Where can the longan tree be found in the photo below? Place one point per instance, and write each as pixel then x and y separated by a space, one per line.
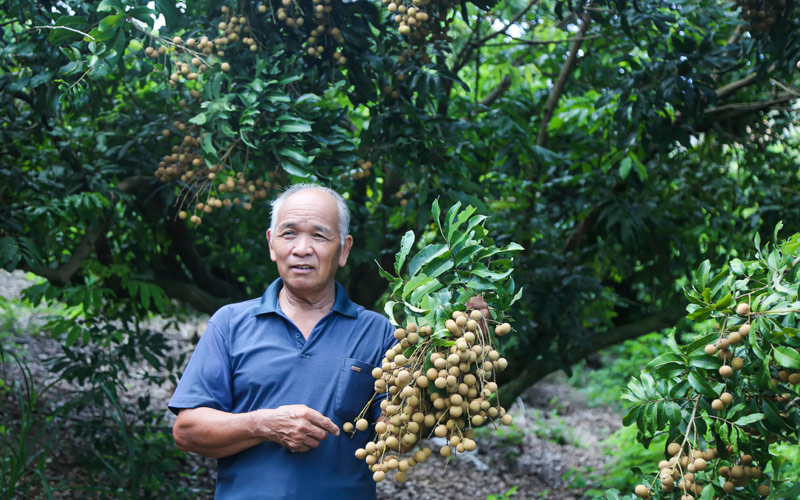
pixel 725 395
pixel 621 143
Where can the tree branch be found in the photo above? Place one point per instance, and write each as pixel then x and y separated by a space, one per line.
pixel 60 276
pixel 184 246
pixel 192 295
pixel 735 111
pixel 535 371
pixel 561 84
pixel 498 92
pixel 465 55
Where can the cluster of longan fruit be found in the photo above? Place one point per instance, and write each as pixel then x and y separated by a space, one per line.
pixel 292 16
pixel 680 472
pixel 761 14
pixel 423 22
pixel 362 170
pixel 434 389
pixel 184 161
pixel 194 53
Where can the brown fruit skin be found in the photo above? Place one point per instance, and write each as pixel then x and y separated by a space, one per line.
pixel 673 449
pixel 794 379
pixel 711 349
pixel 642 491
pixel 763 490
pixel 737 363
pixel 717 405
pixel 743 309
pixel 744 330
pixel 726 397
pixel 726 371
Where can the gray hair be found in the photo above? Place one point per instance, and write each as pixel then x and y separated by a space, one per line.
pixel 344 211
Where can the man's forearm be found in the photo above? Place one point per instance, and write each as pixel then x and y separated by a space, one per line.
pixel 215 433
pixel 218 434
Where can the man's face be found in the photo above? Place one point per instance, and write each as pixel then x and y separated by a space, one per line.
pixel 305 244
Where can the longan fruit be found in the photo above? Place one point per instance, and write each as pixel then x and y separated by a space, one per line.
pixel 743 309
pixel 711 349
pixel 378 476
pixel 734 338
pixel 726 371
pixel 763 490
pixel 347 427
pixel 361 453
pixel 476 315
pixel 362 424
pixel 673 449
pixel 744 330
pixel 737 363
pixel 225 67
pixel 726 398
pixel 642 491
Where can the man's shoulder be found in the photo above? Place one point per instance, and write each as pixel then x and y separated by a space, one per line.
pixel 236 309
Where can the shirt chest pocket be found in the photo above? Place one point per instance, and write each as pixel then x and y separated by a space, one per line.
pixel 355 388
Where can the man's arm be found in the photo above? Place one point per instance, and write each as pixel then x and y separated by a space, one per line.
pixel 218 434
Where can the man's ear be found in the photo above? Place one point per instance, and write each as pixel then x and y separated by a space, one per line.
pixel 348 244
pixel 269 243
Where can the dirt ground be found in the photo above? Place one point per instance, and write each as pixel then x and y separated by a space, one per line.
pixel 547 453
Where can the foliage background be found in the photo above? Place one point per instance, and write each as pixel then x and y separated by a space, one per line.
pixel 620 143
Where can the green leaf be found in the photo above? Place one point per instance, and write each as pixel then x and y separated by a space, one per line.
pixel 388 308
pixel 413 283
pixel 625 167
pixel 424 256
pixel 705 361
pixel 786 357
pixel 426 288
pixel 111 21
pixel 293 153
pixel 673 411
pixel 199 119
pixel 294 127
pixel 724 302
pixel 109 6
pixel 405 247
pixel 295 170
pixel 701 276
pixel 436 212
pixel 667 358
pixel 737 266
pixel 60 36
pixel 749 419
pixel 701 342
pixel 631 416
pixel 701 386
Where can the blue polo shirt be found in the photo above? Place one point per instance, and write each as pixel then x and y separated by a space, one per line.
pixel 252 356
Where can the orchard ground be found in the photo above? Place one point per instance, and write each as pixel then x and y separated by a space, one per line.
pixel 554 448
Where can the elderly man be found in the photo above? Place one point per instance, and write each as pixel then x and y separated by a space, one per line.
pixel 273 379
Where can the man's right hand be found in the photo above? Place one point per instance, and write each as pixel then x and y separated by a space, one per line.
pixel 296 427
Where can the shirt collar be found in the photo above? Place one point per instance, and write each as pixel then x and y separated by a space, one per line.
pixel 269 301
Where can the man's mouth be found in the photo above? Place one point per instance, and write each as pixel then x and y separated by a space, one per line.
pixel 302 267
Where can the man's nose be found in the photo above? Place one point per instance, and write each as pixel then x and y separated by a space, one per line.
pixel 302 245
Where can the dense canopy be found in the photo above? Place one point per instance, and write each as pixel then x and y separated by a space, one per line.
pixel 620 143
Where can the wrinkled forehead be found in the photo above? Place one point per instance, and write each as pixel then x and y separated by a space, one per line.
pixel 312 207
